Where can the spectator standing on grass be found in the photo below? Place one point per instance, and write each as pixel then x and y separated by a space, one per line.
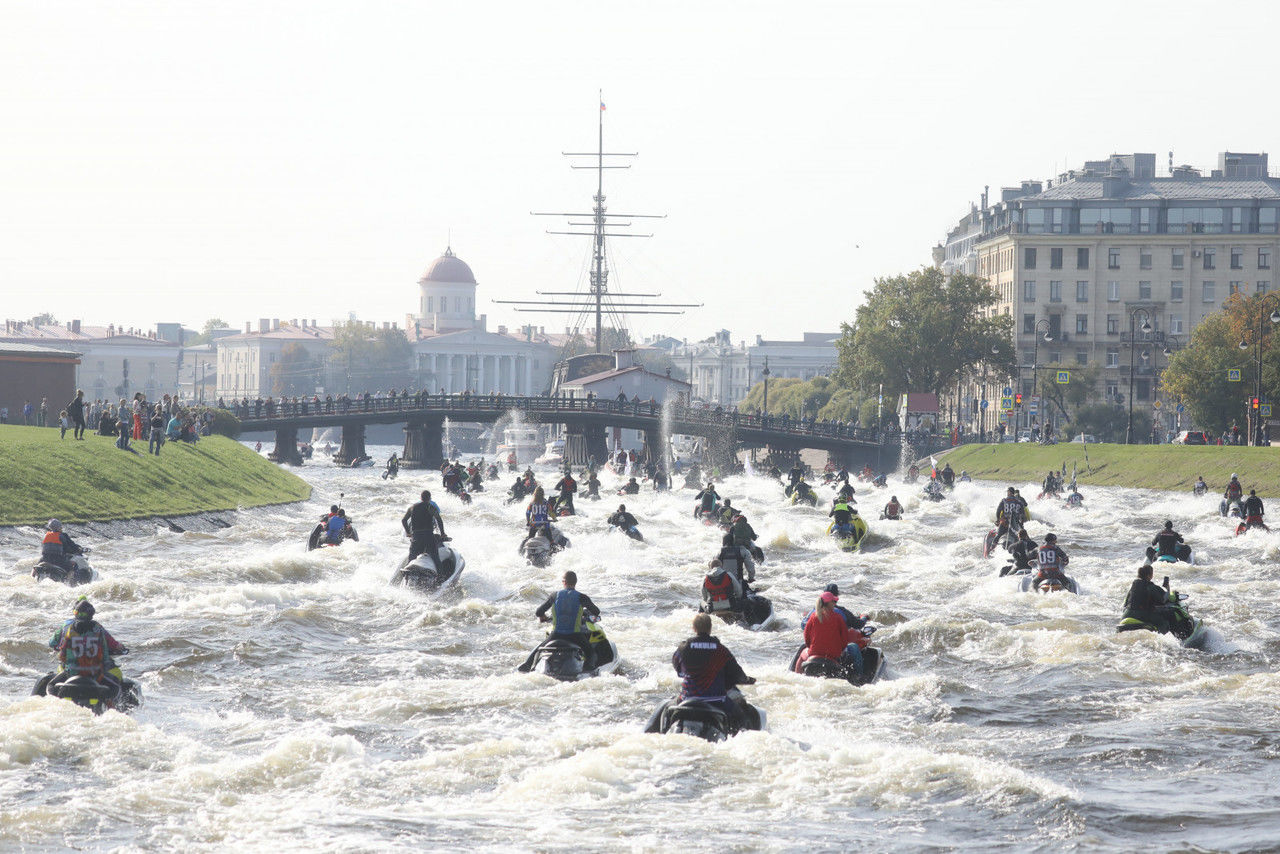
pixel 64 421
pixel 124 429
pixel 156 440
pixel 43 418
pixel 76 410
pixel 27 412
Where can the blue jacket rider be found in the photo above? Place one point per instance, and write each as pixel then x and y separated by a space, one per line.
pixel 570 610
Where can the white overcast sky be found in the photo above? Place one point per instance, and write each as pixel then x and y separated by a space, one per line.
pixel 173 161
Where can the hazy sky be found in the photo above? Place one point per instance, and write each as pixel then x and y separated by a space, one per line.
pixel 174 160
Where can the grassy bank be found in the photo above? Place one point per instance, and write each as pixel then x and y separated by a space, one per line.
pixel 1149 466
pixel 43 477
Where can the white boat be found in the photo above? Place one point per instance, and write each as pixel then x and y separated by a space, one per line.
pixel 526 442
pixel 553 455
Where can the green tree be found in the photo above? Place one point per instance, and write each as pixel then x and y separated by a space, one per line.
pixel 206 331
pixel 921 332
pixel 295 373
pixel 1197 374
pixel 365 358
pixel 1104 420
pixel 1081 389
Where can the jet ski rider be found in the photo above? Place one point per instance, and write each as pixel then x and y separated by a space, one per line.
pixel 1166 542
pixel 708 671
pixel 569 610
pixel 1024 551
pixel 1052 560
pixel 58 547
pixel 852 654
pixel 334 524
pixel 91 647
pixel 419 523
pixel 1148 601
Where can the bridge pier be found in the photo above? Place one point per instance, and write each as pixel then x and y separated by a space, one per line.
pixel 722 448
pixel 352 447
pixel 582 443
pixel 423 444
pixel 286 449
pixel 654 450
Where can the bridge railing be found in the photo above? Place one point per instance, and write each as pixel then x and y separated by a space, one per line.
pixel 436 404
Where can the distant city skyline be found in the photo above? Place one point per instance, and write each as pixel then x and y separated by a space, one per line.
pixel 175 162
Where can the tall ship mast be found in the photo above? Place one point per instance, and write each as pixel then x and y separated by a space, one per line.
pixel 598 299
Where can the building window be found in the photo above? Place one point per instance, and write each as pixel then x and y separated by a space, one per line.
pixel 1055 291
pixel 1175 324
pixel 1144 290
pixel 1029 290
pixel 1082 324
pixel 1264 258
pixel 1175 292
pixel 1055 258
pixel 1113 324
pixel 1267 218
pixel 1113 291
pixel 1029 258
pixel 1142 389
pixel 1234 287
pixel 1113 357
pixel 1029 324
pixel 1263 287
pixel 431 305
pixel 1237 259
pixel 1082 291
pixel 1113 259
pixel 1082 357
pixel 1208 292
pixel 1175 260
pixel 1210 258
pixel 1055 326
pixel 1113 393
pixel 1082 259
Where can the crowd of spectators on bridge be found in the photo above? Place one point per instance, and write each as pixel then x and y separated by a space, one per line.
pixel 403 399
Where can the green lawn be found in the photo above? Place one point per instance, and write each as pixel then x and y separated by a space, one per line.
pixel 1150 466
pixel 42 477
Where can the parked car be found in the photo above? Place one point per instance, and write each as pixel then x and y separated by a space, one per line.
pixel 1024 435
pixel 1085 439
pixel 1191 437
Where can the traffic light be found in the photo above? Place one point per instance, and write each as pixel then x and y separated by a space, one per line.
pixel 1253 401
pixel 1017 399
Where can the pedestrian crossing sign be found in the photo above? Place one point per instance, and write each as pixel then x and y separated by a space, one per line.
pixel 1064 377
pixel 1006 402
pixel 1233 375
pixel 1265 409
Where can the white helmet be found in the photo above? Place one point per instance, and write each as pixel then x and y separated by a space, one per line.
pixel 1233 475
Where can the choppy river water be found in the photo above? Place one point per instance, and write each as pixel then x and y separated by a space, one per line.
pixel 296 699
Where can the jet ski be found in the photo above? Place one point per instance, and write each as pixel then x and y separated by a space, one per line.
pixel 431 576
pixel 1027 583
pixel 1183 554
pixel 873 661
pixel 994 540
pixel 80 573
pixel 807 497
pixel 1190 631
pixel 89 693
pixel 702 719
pixel 1249 523
pixel 710 518
pixel 849 537
pixel 630 530
pixel 563 659
pixel 562 505
pixel 317 540
pixel 538 550
pixel 1231 509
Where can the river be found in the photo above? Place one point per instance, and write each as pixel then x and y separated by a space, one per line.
pixel 295 699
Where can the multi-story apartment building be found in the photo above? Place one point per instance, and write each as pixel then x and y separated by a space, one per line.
pixel 723 373
pixel 1093 256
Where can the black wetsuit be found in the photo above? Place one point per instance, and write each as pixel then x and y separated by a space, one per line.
pixel 1166 542
pixel 623 520
pixel 1024 553
pixel 1148 602
pixel 419 523
pixel 1253 506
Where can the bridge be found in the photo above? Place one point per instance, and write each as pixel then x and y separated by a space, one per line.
pixel 585 421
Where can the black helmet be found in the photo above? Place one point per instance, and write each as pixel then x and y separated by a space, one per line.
pixel 1050 538
pixel 833 589
pixel 622 508
pixel 84 608
pixel 333 508
pixel 1168 523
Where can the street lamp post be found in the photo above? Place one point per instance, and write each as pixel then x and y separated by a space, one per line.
pixel 1171 346
pixel 1254 422
pixel 764 410
pixel 1035 359
pixel 1146 327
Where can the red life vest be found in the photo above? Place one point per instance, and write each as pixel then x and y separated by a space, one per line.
pixel 718 591
pixel 87 652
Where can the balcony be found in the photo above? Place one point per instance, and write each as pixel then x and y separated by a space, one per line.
pixel 1153 337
